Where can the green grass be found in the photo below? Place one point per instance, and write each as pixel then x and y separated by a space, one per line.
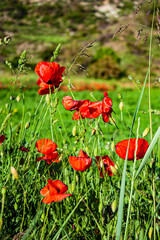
pixel 92 215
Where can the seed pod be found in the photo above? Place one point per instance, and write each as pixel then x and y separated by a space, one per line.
pixel 145 132
pixel 74 131
pixel 18 98
pixel 27 125
pixel 14 173
pixel 121 105
pixel 150 232
pixel 114 205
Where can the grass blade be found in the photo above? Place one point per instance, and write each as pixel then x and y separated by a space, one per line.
pixel 149 150
pixel 122 191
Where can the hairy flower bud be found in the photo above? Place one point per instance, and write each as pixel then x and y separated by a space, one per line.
pixel 27 125
pixel 145 132
pixel 14 173
pixel 114 206
pixel 74 131
pixel 121 105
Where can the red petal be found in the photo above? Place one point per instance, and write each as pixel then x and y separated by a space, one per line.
pixel 45 191
pixel 82 154
pixel 60 186
pixel 46 146
pixel 106 104
pixel 69 103
pixel 80 163
pixel 2 138
pixel 121 148
pixel 60 197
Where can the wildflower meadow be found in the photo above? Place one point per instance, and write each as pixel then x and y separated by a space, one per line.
pixel 80 164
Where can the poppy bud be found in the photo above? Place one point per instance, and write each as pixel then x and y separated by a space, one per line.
pixel 114 206
pixel 145 132
pixel 61 157
pixel 74 131
pixel 95 151
pixel 114 171
pixel 156 112
pixel 100 206
pixel 18 98
pixel 121 106
pixel 14 173
pixel 150 232
pixel 107 146
pixel 112 146
pixel 27 125
pixel 119 95
pixel 4 190
pixel 48 100
pixel 15 206
pixel 93 131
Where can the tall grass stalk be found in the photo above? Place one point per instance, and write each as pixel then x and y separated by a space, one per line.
pixel 132 183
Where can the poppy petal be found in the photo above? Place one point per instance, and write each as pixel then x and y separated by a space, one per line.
pixel 46 146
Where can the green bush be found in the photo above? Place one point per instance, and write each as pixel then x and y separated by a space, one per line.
pixel 105 68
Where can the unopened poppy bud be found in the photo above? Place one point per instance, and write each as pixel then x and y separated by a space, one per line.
pixel 107 146
pixel 93 131
pixel 27 125
pixel 112 146
pixel 48 100
pixel 18 98
pixel 14 173
pixel 100 206
pixel 60 158
pixel 119 95
pixel 4 190
pixel 101 164
pixel 95 151
pixel 121 106
pixel 150 232
pixel 145 132
pixel 74 131
pixel 114 206
pixel 114 170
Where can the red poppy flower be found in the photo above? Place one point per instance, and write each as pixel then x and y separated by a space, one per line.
pixel 2 138
pixel 50 76
pixel 106 107
pixel 69 103
pixel 80 163
pixel 54 191
pixel 106 163
pixel 47 147
pixel 88 109
pixel 142 146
